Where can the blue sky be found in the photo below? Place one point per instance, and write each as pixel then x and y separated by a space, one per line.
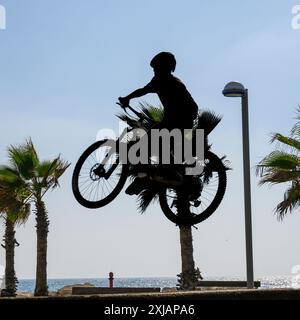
pixel 63 65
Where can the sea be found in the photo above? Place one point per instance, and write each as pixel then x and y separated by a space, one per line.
pixel 27 285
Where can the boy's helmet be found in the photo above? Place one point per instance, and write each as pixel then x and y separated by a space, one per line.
pixel 164 60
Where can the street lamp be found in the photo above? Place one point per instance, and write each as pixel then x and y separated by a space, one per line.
pixel 236 89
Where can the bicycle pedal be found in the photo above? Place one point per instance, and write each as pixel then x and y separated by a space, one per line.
pixel 197 203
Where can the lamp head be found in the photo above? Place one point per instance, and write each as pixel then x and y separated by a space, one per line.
pixel 234 89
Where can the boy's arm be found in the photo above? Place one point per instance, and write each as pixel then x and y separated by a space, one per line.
pixel 135 94
pixel 149 88
pixel 138 93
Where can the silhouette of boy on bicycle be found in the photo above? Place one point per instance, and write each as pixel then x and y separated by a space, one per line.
pixel 185 197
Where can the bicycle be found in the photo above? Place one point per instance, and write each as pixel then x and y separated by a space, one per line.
pixel 99 176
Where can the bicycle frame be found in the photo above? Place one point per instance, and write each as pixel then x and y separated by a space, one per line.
pixel 118 142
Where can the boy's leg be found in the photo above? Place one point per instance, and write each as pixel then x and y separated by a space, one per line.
pixel 142 176
pixel 142 179
pixel 138 185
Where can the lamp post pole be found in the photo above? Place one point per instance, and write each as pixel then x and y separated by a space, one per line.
pixel 236 89
pixel 247 191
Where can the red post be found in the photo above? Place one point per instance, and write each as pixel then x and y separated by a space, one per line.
pixel 111 280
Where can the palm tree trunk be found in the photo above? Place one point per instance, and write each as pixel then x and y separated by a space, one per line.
pixel 188 279
pixel 10 274
pixel 42 229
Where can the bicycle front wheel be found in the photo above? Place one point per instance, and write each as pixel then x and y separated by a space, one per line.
pixel 96 182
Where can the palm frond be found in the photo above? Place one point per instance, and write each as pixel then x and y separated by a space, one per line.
pixel 50 172
pixel 24 159
pixel 132 121
pixel 154 113
pixel 291 201
pixel 149 115
pixel 282 166
pixel 27 172
pixel 9 175
pixel 19 213
pixel 288 141
pixel 278 176
pixel 207 120
pixel 295 132
pixel 146 197
pixel 278 160
pixel 226 163
pixel 14 204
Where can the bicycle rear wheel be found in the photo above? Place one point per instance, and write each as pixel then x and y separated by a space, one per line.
pixel 209 197
pixel 96 182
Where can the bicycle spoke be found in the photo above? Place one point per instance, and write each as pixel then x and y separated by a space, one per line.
pixel 207 195
pixel 92 183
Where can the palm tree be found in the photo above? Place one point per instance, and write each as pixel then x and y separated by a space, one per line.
pixel 14 210
pixel 38 176
pixel 283 166
pixel 189 276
